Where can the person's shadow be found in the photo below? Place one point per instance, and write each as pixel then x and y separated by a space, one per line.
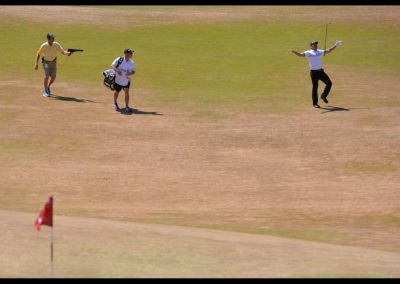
pixel 138 111
pixel 335 108
pixel 70 99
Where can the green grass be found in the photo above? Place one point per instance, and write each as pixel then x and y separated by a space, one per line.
pixel 388 219
pixel 37 145
pixel 18 146
pixel 369 167
pixel 347 275
pixel 246 65
pixel 308 232
pixel 204 69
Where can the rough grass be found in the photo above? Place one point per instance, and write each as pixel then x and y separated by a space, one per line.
pixel 95 248
pixel 237 147
pixel 243 65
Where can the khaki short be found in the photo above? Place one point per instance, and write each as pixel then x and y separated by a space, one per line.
pixel 50 68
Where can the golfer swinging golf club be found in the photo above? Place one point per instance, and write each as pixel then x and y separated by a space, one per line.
pixel 316 71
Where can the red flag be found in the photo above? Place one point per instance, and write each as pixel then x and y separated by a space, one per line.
pixel 46 215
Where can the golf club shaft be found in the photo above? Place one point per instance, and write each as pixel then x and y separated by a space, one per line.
pixel 326 35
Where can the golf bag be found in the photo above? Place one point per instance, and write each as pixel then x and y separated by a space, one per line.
pixel 109 76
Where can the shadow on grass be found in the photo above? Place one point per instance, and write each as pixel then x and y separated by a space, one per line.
pixel 70 99
pixel 335 108
pixel 137 111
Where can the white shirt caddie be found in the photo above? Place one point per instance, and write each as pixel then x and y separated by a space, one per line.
pixel 125 67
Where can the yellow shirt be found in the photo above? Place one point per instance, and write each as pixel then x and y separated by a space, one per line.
pixel 49 52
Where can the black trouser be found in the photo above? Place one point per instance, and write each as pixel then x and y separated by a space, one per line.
pixel 317 75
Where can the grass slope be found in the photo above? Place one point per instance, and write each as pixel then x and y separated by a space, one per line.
pixel 225 65
pixel 99 248
pixel 237 147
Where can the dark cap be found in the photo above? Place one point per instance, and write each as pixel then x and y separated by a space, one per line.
pixel 128 50
pixel 313 42
pixel 51 36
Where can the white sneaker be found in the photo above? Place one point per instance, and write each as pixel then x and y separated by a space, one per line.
pixel 116 107
pixel 46 94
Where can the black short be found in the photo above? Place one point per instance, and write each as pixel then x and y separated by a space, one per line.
pixel 119 87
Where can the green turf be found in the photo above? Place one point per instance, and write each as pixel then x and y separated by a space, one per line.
pixel 259 227
pixel 369 168
pixel 246 65
pixel 201 68
pixel 347 275
pixel 388 219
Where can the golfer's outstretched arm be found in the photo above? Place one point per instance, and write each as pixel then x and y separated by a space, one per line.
pixel 330 49
pixel 298 53
pixel 337 43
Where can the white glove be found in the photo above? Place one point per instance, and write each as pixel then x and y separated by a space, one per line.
pixel 338 42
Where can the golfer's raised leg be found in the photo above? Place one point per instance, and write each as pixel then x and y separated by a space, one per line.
pixel 328 85
pixel 316 71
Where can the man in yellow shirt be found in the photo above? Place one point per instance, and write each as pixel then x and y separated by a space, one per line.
pixel 48 52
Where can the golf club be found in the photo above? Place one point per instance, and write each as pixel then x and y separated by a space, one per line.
pixel 326 35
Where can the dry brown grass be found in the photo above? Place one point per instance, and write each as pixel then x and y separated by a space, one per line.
pixel 102 17
pixel 328 176
pixel 102 248
pixel 317 170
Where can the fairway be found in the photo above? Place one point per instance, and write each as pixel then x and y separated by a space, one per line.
pixel 225 169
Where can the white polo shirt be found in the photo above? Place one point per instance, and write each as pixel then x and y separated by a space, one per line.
pixel 314 58
pixel 125 67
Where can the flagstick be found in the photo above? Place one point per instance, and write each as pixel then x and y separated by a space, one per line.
pixel 46 218
pixel 52 237
pixel 52 253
